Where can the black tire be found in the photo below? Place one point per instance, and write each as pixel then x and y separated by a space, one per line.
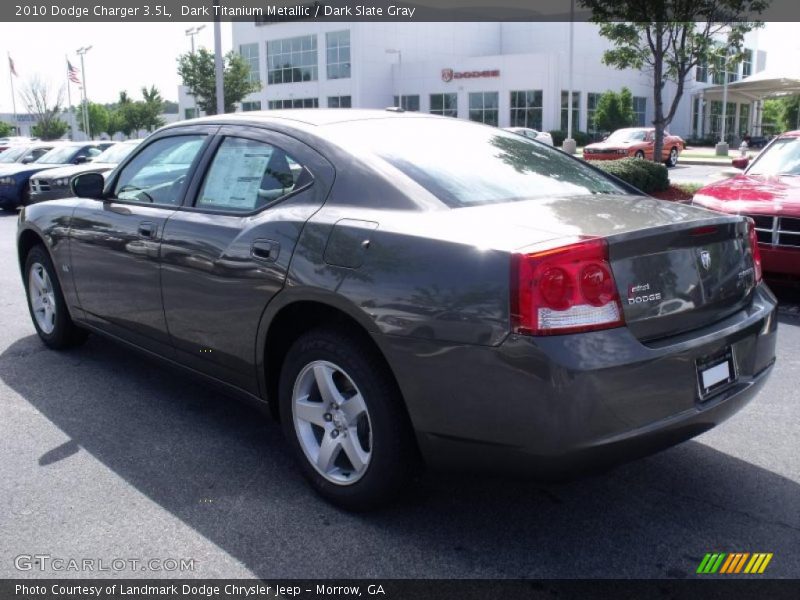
pixel 639 154
pixel 673 157
pixel 65 333
pixel 394 456
pixel 9 209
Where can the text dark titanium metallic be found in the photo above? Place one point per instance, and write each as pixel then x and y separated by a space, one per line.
pixel 398 287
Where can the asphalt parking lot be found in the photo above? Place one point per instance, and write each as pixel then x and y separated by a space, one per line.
pixel 105 454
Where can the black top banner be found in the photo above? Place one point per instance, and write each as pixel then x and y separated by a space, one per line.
pixel 266 11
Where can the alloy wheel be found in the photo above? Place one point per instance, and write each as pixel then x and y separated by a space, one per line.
pixel 332 422
pixel 43 298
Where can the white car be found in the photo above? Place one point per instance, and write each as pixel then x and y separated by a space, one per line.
pixel 539 136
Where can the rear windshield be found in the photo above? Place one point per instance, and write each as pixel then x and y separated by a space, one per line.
pixel 465 164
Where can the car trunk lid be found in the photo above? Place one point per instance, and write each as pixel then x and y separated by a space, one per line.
pixel 678 278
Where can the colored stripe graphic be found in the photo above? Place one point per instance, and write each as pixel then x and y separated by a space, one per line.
pixel 734 562
pixel 711 562
pixel 758 563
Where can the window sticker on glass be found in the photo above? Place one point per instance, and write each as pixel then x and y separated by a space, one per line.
pixel 246 175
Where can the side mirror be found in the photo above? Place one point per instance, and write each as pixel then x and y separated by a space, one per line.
pixel 81 160
pixel 27 160
pixel 741 162
pixel 88 185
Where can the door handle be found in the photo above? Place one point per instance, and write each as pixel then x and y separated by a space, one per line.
pixel 147 229
pixel 267 250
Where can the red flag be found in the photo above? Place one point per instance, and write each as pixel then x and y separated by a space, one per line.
pixel 11 66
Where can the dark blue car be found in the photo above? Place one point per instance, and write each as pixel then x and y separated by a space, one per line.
pixel 14 176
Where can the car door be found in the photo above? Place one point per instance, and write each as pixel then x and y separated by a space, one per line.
pixel 115 243
pixel 226 253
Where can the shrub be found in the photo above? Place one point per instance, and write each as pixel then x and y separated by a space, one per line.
pixel 646 175
pixel 559 135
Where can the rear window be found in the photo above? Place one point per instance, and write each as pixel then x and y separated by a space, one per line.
pixel 465 164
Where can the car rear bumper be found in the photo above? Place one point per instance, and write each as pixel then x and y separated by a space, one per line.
pixel 564 403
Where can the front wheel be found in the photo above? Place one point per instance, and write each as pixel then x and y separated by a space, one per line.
pixel 672 160
pixel 46 303
pixel 344 419
pixel 639 154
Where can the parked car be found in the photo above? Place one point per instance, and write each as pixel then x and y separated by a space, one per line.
pixel 636 142
pixel 397 287
pixel 54 183
pixel 16 140
pixel 24 154
pixel 14 188
pixel 533 134
pixel 769 192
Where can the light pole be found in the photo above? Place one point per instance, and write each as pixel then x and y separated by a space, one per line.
pixel 81 52
pixel 218 66
pixel 569 144
pixel 190 33
pixel 399 73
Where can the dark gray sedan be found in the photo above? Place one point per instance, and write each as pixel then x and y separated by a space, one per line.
pixel 404 290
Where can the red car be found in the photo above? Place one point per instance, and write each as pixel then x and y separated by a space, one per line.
pixel 769 192
pixel 637 142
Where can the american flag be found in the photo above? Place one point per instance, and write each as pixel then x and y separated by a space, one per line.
pixel 11 66
pixel 72 73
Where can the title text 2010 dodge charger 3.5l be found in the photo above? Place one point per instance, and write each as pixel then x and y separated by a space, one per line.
pixel 402 289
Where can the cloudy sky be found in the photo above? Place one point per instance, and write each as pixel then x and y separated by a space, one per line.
pixel 127 56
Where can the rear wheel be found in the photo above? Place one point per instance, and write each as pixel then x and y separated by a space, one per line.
pixel 46 303
pixel 672 160
pixel 343 416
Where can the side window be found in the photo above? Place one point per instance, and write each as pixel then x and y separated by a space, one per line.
pixel 156 175
pixel 38 153
pixel 246 175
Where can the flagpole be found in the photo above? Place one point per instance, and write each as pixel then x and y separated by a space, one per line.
pixel 13 95
pixel 69 102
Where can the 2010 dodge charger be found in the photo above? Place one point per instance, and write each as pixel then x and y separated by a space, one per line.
pixel 402 289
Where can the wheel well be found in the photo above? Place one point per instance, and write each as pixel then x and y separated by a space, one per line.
pixel 27 240
pixel 294 320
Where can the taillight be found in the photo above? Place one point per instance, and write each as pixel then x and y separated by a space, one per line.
pixel 564 290
pixel 753 236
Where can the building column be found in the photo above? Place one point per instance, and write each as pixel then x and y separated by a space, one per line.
pixel 700 116
pixel 736 118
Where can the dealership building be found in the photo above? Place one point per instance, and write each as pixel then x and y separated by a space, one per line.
pixel 505 74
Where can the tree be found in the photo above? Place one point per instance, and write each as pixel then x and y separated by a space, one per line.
pixel 669 38
pixel 6 129
pixel 614 111
pixel 197 73
pixel 45 105
pixel 98 118
pixel 780 114
pixel 152 108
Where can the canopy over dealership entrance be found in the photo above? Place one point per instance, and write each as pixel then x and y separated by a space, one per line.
pixel 745 103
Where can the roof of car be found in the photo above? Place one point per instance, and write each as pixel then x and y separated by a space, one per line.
pixel 313 116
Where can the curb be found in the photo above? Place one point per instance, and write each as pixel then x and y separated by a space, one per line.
pixel 707 162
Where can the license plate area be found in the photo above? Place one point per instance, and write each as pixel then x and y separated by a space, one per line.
pixel 715 372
